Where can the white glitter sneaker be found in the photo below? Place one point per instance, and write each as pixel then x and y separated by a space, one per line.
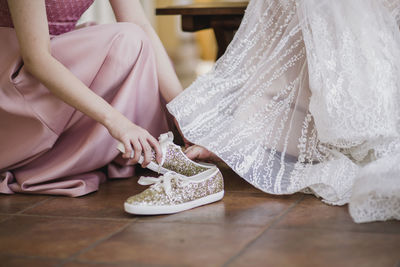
pixel 173 158
pixel 173 193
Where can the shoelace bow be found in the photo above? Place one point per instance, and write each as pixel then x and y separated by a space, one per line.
pixel 164 181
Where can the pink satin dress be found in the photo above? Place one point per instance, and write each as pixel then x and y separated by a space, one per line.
pixel 48 147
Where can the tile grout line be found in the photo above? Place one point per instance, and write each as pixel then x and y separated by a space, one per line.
pixel 274 222
pixel 133 219
pixel 7 218
pixel 201 223
pixel 116 263
pixel 246 194
pixel 94 244
pixel 335 230
pixel 34 205
pixel 71 217
pixel 58 260
pixel 29 256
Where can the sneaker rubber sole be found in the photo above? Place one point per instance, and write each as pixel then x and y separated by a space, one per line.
pixel 158 210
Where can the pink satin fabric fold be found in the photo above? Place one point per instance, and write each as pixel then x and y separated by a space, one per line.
pixel 47 146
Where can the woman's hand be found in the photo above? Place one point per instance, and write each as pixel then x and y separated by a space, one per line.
pixel 196 152
pixel 134 138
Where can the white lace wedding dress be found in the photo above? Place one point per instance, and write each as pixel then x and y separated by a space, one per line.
pixel 307 98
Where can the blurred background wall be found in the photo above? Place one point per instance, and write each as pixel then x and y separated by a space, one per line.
pixel 192 53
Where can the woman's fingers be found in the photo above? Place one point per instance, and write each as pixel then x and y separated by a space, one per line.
pixel 156 146
pixel 128 149
pixel 138 150
pixel 146 151
pixel 139 141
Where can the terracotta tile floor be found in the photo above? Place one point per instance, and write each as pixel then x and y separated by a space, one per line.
pixel 246 228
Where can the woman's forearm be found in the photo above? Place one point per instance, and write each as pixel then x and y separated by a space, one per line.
pixel 169 84
pixel 63 84
pixel 29 18
pixel 131 11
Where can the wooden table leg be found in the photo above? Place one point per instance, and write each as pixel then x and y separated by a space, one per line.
pixel 224 31
pixel 224 27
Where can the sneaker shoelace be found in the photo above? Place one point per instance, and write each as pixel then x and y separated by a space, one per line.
pixel 164 181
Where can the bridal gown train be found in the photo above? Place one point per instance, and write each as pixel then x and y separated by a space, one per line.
pixel 306 98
